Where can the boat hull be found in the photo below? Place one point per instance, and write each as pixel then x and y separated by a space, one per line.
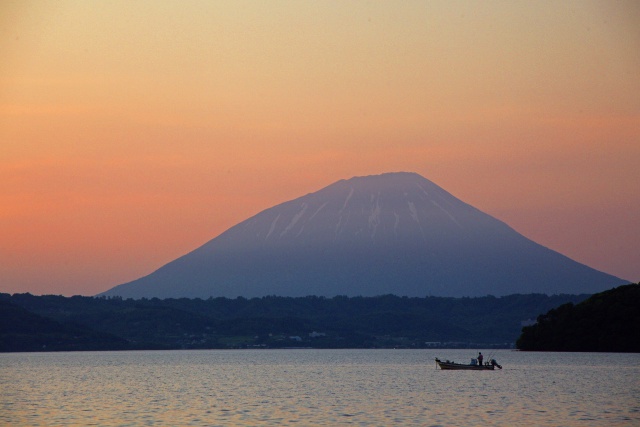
pixel 462 367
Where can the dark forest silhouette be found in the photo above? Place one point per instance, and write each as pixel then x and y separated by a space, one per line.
pixel 48 323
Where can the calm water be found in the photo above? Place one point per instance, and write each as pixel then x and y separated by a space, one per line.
pixel 315 388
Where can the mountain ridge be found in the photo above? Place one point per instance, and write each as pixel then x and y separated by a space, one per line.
pixel 394 233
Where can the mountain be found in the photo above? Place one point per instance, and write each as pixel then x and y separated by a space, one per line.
pixel 395 233
pixel 607 322
pixel 22 330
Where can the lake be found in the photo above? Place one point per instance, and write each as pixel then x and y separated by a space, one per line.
pixel 317 388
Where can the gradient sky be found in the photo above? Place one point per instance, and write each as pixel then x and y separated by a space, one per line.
pixel 132 132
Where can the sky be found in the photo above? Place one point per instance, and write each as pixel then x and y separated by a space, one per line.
pixel 132 132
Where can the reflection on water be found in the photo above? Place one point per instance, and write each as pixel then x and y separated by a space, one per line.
pixel 316 387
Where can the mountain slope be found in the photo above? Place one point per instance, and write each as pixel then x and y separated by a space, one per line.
pixel 22 330
pixel 395 233
pixel 608 322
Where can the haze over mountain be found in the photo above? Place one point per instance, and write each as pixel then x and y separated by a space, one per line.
pixel 395 233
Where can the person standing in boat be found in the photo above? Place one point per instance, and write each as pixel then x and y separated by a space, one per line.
pixel 480 358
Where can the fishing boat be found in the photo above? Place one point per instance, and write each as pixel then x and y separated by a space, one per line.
pixel 488 366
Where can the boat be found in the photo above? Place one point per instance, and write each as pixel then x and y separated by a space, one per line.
pixel 473 366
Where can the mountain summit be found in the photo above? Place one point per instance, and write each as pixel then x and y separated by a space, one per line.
pixel 395 233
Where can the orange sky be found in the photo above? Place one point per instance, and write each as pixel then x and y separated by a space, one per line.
pixel 132 132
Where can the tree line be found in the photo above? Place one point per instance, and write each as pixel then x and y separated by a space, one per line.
pixel 608 321
pixel 50 322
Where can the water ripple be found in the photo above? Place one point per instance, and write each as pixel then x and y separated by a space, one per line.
pixel 315 387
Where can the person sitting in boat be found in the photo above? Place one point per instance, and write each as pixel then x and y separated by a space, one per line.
pixel 480 358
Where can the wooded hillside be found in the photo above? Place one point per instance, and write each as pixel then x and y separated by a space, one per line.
pixel 273 322
pixel 608 321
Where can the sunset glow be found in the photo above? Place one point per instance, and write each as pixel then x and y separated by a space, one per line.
pixel 132 132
